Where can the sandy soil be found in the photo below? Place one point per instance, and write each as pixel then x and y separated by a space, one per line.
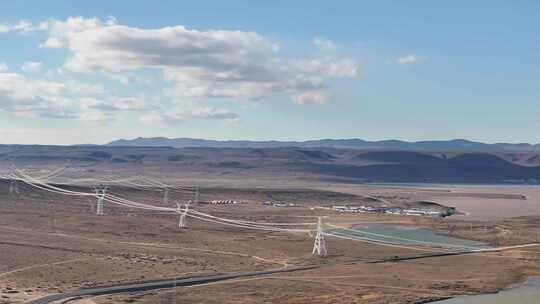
pixel 495 208
pixel 51 244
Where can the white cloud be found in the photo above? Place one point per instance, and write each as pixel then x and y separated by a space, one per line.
pixel 198 64
pixel 22 26
pixel 314 97
pixel 124 78
pixel 26 97
pixel 121 104
pixel 70 99
pixel 324 44
pixel 409 59
pixel 211 113
pixel 178 115
pixel 195 66
pixel 93 115
pixel 60 32
pixel 328 67
pixel 32 66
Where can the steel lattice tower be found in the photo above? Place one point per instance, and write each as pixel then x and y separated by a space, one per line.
pixel 166 196
pixel 182 221
pixel 319 247
pixel 100 194
pixel 13 188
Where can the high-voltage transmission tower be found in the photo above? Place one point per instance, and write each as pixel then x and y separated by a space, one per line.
pixel 14 188
pixel 182 221
pixel 165 195
pixel 319 247
pixel 100 194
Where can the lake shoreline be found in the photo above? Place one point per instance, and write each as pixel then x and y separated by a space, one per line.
pixel 523 285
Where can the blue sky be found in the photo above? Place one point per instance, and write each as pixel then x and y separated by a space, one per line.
pixel 74 72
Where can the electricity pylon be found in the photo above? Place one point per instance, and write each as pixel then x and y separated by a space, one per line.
pixel 100 194
pixel 14 188
pixel 165 195
pixel 319 247
pixel 182 221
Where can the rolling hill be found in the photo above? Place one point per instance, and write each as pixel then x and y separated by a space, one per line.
pixel 290 163
pixel 437 145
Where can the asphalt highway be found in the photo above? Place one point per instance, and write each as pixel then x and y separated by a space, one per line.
pixel 160 284
pixel 204 279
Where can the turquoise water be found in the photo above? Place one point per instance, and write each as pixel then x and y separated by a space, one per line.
pixel 406 235
pixel 528 293
pixel 450 185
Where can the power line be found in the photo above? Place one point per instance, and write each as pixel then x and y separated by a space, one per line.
pixel 104 195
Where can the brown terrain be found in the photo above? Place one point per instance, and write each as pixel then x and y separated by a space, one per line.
pixel 51 243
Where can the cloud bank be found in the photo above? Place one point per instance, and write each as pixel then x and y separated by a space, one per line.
pixel 195 66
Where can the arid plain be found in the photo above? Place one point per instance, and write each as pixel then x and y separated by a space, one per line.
pixel 52 243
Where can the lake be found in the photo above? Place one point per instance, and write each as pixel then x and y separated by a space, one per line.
pixel 406 235
pixel 527 293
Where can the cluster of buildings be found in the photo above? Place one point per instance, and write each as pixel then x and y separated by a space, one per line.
pixel 223 202
pixel 414 211
pixel 388 210
pixel 356 209
pixel 278 204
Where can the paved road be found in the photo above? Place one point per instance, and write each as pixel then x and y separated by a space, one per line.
pixel 159 284
pixel 203 279
pixel 442 254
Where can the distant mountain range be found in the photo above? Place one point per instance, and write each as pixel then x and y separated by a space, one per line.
pixel 433 145
pixel 286 163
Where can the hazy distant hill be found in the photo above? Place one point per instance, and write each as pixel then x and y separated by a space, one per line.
pixel 287 164
pixel 437 145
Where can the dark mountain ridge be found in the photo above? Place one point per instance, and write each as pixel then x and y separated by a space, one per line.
pixel 329 164
pixel 433 145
